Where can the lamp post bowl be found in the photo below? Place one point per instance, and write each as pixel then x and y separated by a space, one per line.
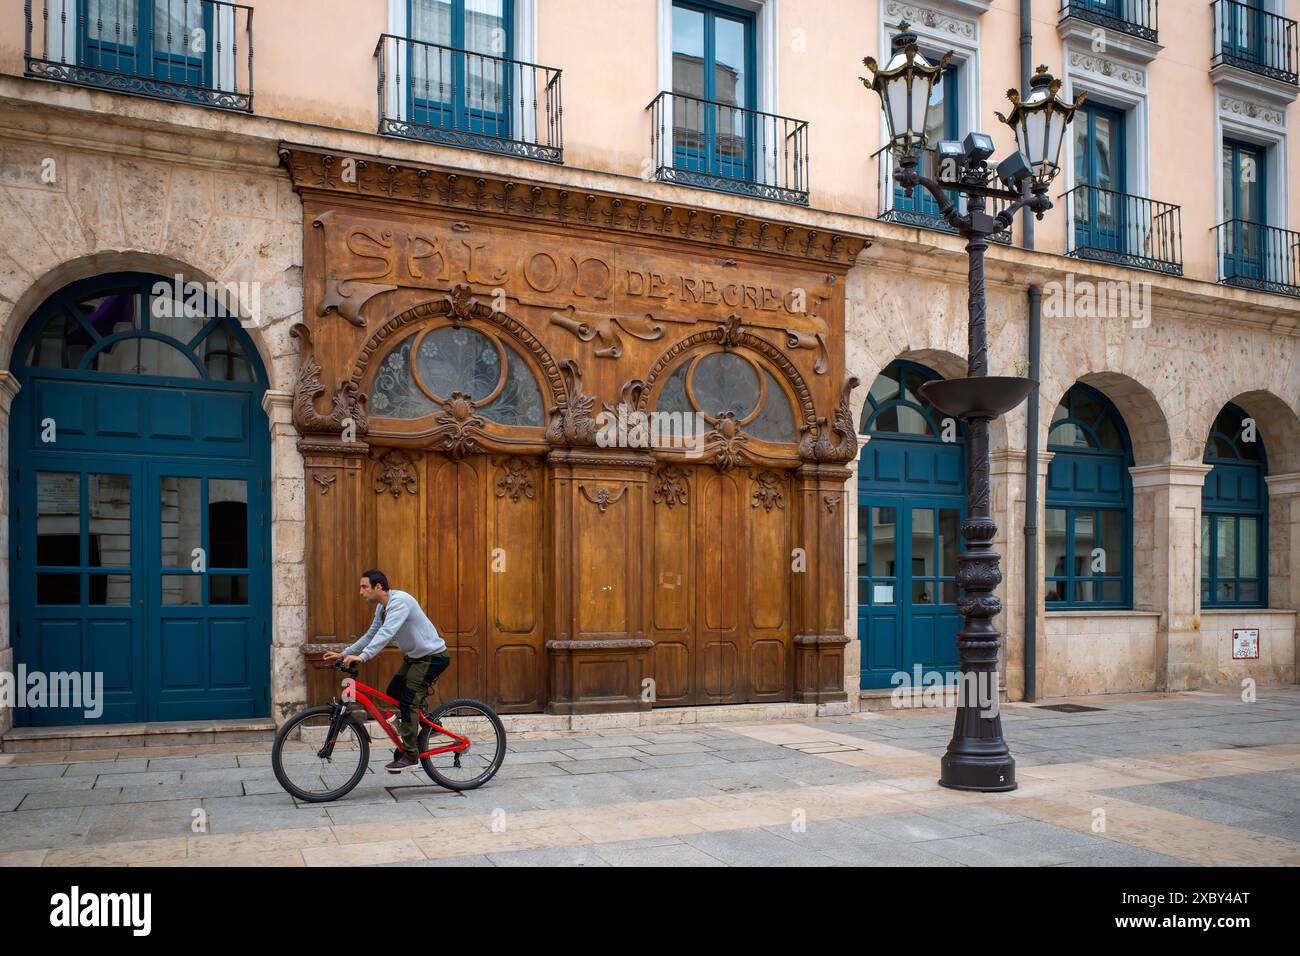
pixel 983 396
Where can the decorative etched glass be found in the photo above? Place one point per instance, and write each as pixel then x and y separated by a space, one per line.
pixel 520 402
pixel 458 360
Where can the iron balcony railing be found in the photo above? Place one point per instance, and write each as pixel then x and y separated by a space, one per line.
pixel 190 51
pixel 1134 17
pixel 1255 256
pixel 920 209
pixel 1128 230
pixel 715 146
pixel 1253 39
pixel 441 94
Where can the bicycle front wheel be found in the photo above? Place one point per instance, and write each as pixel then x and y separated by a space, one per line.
pixel 297 761
pixel 476 764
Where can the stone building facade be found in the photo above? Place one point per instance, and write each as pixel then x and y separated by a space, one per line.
pixel 98 181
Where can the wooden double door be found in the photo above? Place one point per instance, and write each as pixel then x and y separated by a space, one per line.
pixel 472 543
pixel 722 559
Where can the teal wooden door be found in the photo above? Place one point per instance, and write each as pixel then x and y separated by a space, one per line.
pixel 139 542
pixel 911 501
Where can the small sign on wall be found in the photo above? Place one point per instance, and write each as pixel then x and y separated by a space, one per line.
pixel 1245 643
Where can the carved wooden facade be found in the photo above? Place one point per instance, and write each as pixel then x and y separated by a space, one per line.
pixel 480 361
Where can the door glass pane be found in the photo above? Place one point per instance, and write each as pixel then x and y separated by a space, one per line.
pixel 1248 591
pixel 729 77
pixel 175 25
pixel 688 51
pixel 485 76
pixel 229 589
pixel 1084 592
pixel 1205 546
pixel 1248 529
pixel 1112 542
pixel 1226 541
pixel 182 521
pixel 1106 142
pixel 1248 177
pixel 1085 541
pixel 110 589
pixel 112 21
pixel 949 544
pixel 1055 542
pixel 922 542
pixel 864 536
pixel 110 520
pixel 1226 591
pixel 1112 590
pixel 228 523
pixel 186 589
pixel 58 589
pixel 431 66
pixel 922 592
pixel 884 554
pixel 58 519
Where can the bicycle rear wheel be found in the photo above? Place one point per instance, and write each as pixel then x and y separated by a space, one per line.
pixel 476 764
pixel 297 761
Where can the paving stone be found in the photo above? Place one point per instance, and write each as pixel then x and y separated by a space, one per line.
pixel 606 765
pixel 33 829
pixel 887 854
pixel 677 747
pixel 539 756
pixel 194 791
pixel 550 856
pixel 671 855
pixel 96 767
pixel 514 746
pixel 394 812
pixel 69 798
pixel 510 770
pixel 598 753
pixel 47 784
pixel 682 760
pixel 754 847
pixel 1037 835
pixel 210 762
pixel 984 850
pixel 453 861
pixel 910 827
pixel 261 819
pixel 33 771
pixel 621 740
pixel 1111 853
pixel 829 834
pixel 974 817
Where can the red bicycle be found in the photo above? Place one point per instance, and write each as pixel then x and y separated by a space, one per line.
pixel 322 752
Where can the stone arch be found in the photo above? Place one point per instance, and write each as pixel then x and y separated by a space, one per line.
pixel 1279 427
pixel 1144 418
pixel 104 263
pixel 463 307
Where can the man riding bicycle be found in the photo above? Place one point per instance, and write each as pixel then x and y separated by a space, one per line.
pixel 399 616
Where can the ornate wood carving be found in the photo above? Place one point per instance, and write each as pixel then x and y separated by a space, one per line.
pixel 459 429
pixel 831 502
pixel 571 420
pixel 516 479
pixel 603 498
pixel 726 443
pixel 484 193
pixel 396 475
pixel 836 442
pixel 588 326
pixel 348 403
pixel 767 493
pixel 326 482
pixel 671 486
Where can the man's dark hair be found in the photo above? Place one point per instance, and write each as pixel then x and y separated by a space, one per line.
pixel 377 578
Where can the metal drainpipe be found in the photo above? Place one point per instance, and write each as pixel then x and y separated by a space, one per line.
pixel 1031 498
pixel 1031 439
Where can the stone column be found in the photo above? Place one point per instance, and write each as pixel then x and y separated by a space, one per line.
pixel 1166 565
pixel 8 390
pixel 853 644
pixel 1007 477
pixel 1284 545
pixel 288 558
pixel 819 591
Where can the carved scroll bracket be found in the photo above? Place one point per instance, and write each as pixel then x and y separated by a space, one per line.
pixel 348 413
pixel 836 441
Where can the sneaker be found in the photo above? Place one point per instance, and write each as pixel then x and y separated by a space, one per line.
pixel 402 763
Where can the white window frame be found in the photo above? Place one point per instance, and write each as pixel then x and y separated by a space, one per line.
pixel 1124 89
pixel 1272 138
pixel 766 46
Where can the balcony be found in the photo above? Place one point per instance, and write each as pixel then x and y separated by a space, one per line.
pixel 188 51
pixel 920 209
pixel 440 94
pixel 1248 38
pixel 1136 18
pixel 1107 226
pixel 711 145
pixel 1255 256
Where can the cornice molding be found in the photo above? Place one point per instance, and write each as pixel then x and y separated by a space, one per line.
pixel 321 171
pixel 958 19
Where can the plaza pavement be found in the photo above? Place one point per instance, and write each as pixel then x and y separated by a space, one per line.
pixel 1199 778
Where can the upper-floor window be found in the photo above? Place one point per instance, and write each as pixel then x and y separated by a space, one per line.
pixel 1099 163
pixel 458 67
pixel 195 51
pixel 713 86
pixel 1244 233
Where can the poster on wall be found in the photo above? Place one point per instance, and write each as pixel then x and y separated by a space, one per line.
pixel 1245 643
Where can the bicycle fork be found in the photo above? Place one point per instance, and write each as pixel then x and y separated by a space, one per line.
pixel 336 727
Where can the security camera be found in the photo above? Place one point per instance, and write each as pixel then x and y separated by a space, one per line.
pixel 1014 170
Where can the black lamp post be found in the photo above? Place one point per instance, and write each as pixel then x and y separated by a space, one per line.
pixel 977 756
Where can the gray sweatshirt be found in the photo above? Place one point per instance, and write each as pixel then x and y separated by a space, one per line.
pixel 401 618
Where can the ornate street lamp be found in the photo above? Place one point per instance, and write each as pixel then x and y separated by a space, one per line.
pixel 977 756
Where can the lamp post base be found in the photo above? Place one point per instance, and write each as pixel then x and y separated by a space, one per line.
pixel 991 773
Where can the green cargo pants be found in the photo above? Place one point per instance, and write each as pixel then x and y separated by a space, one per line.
pixel 409 687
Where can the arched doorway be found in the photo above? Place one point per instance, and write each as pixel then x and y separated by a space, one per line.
pixel 141 516
pixel 1234 514
pixel 911 502
pixel 1089 513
